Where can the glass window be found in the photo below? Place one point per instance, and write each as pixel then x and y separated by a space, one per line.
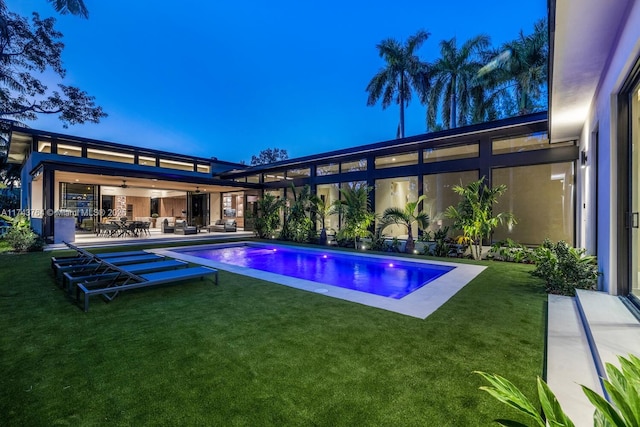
pixel 298 173
pixel 44 147
pixel 395 193
pixel 253 179
pixel 173 164
pixel 146 161
pixel 395 160
pixel 81 200
pixel 203 168
pixel 439 195
pixel 541 198
pixel 430 155
pixel 329 193
pixel 274 176
pixel 241 179
pixel 354 166
pixel 328 169
pixel 111 156
pixel 69 150
pixel 534 141
pixel 278 193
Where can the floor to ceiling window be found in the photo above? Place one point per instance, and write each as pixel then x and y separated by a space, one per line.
pixel 634 125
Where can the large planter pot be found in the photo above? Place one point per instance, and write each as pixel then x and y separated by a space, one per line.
pixel 64 229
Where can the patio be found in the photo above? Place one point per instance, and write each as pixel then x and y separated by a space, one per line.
pixel 154 236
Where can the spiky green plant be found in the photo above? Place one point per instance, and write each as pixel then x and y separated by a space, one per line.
pixel 622 385
pixel 406 217
pixel 474 214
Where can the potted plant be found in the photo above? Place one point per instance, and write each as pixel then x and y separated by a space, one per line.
pixel 154 218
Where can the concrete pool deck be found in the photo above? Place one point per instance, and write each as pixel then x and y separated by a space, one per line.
pixel 420 303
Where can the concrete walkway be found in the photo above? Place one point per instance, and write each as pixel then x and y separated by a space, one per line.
pixel 583 334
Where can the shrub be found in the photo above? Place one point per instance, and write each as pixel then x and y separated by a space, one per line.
pixel 511 251
pixel 565 268
pixel 24 240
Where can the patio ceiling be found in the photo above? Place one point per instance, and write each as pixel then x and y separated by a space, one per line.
pixel 116 181
pixel 582 37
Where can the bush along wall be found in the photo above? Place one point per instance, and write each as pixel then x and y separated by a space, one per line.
pixel 565 268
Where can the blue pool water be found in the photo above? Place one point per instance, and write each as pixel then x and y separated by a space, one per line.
pixel 385 277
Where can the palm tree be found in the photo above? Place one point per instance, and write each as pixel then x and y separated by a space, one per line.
pixel 453 76
pixel 355 208
pixel 267 218
pixel 321 210
pixel 406 217
pixel 403 71
pixel 474 214
pixel 527 67
pixel 74 7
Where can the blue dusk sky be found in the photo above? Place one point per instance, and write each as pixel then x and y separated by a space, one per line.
pixel 229 79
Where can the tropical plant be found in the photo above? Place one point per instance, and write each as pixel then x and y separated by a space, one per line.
pixel 74 7
pixel 355 208
pixel 20 236
pixel 403 71
pixel 320 211
pixel 267 217
pixel 511 251
pixel 622 385
pixel 474 214
pixel 298 226
pixel 453 76
pixel 565 268
pixel 526 69
pixel 406 217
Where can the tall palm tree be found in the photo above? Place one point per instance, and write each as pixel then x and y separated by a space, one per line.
pixel 406 217
pixel 527 67
pixel 403 71
pixel 74 7
pixel 453 76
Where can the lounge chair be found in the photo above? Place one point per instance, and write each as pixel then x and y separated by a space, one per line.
pixel 109 288
pixel 103 271
pixel 166 228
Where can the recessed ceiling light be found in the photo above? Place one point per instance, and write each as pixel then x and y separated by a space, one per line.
pixel 77 180
pixel 393 159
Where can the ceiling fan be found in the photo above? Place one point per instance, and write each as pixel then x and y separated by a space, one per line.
pixel 124 184
pixel 197 189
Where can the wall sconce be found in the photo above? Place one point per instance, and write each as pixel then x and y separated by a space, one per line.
pixel 583 159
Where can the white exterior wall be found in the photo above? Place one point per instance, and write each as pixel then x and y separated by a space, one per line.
pixel 603 118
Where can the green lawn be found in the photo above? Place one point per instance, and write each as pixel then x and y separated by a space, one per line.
pixel 252 353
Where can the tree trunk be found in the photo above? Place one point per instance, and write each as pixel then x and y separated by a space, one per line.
pixel 402 105
pixel 452 112
pixel 410 246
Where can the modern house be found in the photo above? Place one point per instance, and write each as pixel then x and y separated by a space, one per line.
pixel 572 174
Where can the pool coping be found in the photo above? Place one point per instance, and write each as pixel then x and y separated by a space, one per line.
pixel 420 303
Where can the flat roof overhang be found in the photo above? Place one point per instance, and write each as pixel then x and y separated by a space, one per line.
pixel 114 177
pixel 582 38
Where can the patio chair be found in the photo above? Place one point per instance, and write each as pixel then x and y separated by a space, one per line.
pixel 109 288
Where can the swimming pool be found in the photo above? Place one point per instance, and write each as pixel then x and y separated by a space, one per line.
pixel 414 293
pixel 392 278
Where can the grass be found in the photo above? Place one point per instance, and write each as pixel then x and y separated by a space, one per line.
pixel 250 353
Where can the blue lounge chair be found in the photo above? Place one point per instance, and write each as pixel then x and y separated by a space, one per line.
pixel 150 267
pixel 110 288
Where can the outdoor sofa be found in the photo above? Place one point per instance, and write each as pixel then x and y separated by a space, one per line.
pixel 223 225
